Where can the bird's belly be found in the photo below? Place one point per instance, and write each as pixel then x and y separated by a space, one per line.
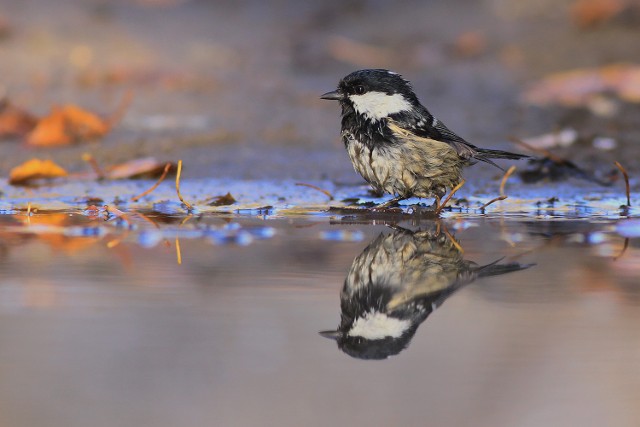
pixel 406 170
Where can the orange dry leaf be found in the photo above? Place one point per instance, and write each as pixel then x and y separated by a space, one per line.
pixel 589 13
pixel 67 124
pixel 14 121
pixel 470 43
pixel 578 87
pixel 35 169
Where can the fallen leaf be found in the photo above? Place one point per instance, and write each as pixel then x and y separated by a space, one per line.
pixel 82 124
pixel 562 138
pixel 579 87
pixel 71 124
pixel 147 167
pixel 224 200
pixel 590 13
pixel 35 169
pixel 470 43
pixel 546 169
pixel 66 125
pixel 14 121
pixel 50 130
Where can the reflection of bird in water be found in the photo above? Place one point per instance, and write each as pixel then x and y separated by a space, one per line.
pixel 395 283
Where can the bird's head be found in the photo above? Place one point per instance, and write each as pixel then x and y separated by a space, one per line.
pixel 374 94
pixel 374 335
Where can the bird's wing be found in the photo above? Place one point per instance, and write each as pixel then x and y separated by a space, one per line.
pixel 438 133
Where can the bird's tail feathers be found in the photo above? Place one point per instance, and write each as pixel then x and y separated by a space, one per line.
pixel 495 269
pixel 485 155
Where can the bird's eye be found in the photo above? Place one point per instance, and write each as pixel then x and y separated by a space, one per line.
pixel 359 90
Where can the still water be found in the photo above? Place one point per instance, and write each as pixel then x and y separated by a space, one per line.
pixel 318 319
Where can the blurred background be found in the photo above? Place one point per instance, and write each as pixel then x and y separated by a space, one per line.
pixel 232 87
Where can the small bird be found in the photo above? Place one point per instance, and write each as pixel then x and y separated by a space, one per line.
pixel 396 144
pixel 396 283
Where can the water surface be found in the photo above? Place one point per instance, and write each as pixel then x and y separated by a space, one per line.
pixel 101 324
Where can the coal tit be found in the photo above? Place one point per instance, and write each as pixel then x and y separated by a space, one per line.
pixel 396 283
pixel 396 144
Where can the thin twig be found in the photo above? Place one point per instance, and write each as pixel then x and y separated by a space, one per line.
pixel 187 204
pixel 184 221
pixel 624 249
pixel 443 205
pixel 453 240
pixel 115 242
pixel 492 201
pixel 117 213
pixel 120 110
pixel 178 252
pixel 315 187
pixel 548 154
pixel 154 186
pixel 626 181
pixel 506 176
pixel 94 165
pixel 146 218
pixel 29 213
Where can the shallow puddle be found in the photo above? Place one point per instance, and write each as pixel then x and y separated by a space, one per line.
pixel 215 319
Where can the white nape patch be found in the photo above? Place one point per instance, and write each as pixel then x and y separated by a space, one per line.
pixel 376 326
pixel 378 105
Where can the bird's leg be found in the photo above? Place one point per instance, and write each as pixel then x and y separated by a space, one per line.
pixel 441 206
pixel 388 203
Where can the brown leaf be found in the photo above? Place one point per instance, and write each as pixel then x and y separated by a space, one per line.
pixel 581 86
pixel 65 125
pixel 35 169
pixel 224 200
pixel 82 124
pixel 470 43
pixel 14 121
pixel 590 13
pixel 147 167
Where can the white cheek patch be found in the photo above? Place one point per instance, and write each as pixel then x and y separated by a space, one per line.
pixel 376 326
pixel 378 105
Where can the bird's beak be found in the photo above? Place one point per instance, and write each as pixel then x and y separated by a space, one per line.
pixel 333 96
pixel 334 335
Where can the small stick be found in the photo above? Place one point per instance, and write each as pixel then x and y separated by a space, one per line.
pixel 544 152
pixel 626 181
pixel 450 237
pixel 178 253
pixel 94 165
pixel 187 204
pixel 505 177
pixel 117 212
pixel 492 201
pixel 149 220
pixel 624 249
pixel 118 114
pixel 315 187
pixel 184 221
pixel 113 243
pixel 154 186
pixel 448 198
